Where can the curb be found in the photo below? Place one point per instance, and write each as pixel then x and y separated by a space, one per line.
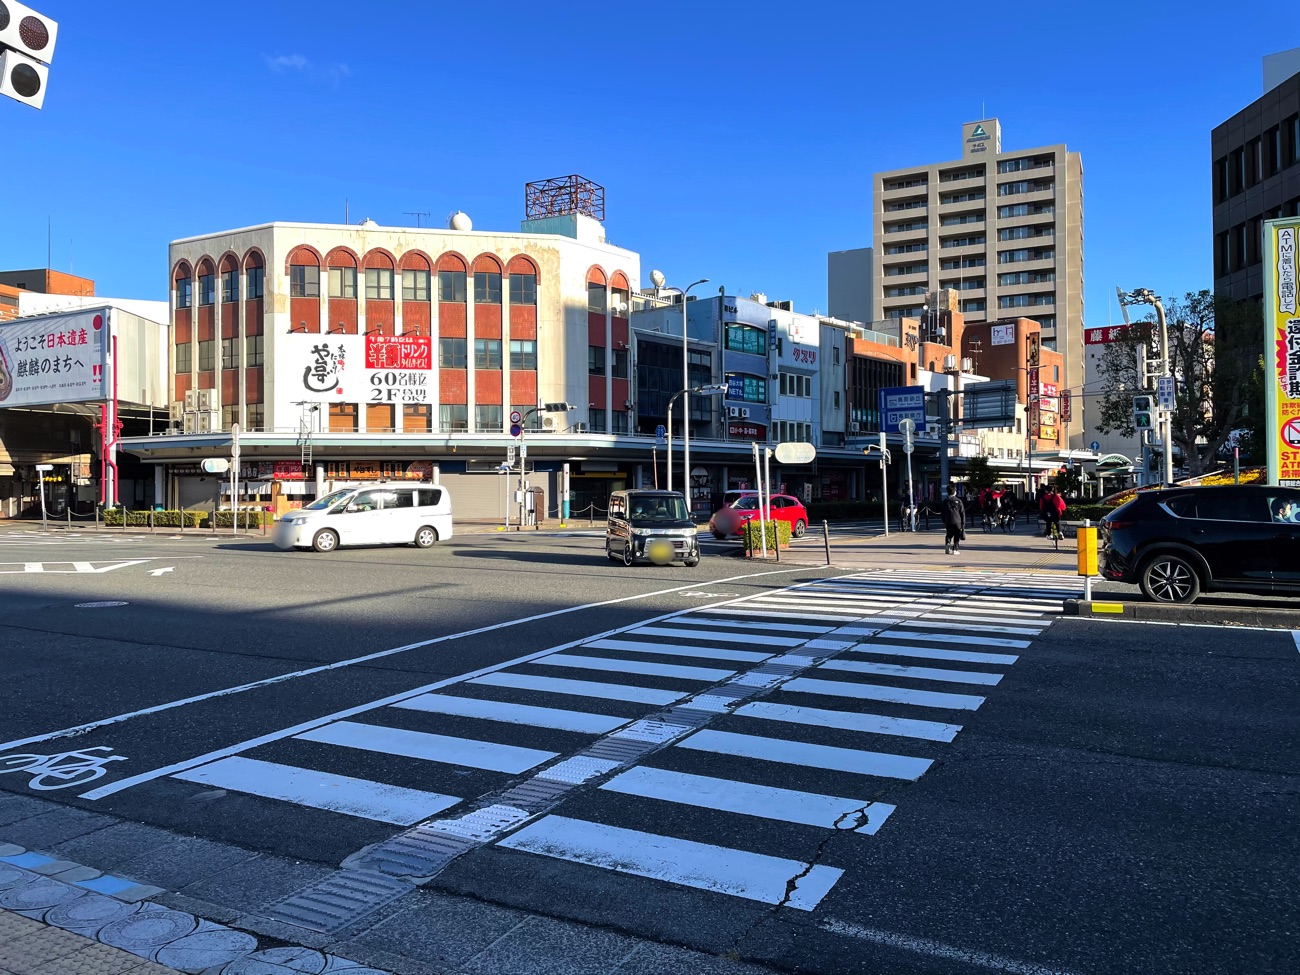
pixel 1258 616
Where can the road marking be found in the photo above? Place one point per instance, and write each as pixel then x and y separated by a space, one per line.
pixel 1296 635
pixel 1028 630
pixel 802 753
pixel 582 688
pixel 935 653
pixel 876 724
pixel 918 673
pixel 322 790
pixel 984 641
pixel 366 658
pixel 744 625
pixel 767 613
pixel 937 949
pixel 465 752
pixel 880 692
pixel 720 635
pixel 158 572
pixel 473 707
pixel 767 802
pixel 677 650
pixel 707 674
pixel 703 866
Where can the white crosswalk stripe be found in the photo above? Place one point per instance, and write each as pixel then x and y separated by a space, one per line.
pixel 831 692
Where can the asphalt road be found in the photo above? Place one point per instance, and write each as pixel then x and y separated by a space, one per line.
pixel 948 778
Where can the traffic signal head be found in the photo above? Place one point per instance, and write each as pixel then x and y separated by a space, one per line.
pixel 27 32
pixel 22 79
pixel 1142 412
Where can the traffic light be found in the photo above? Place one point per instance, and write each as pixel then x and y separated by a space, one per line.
pixel 1143 407
pixel 26 48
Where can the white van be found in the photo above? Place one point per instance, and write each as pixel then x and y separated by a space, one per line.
pixel 389 514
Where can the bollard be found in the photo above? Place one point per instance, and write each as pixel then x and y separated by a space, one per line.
pixel 96 516
pixel 826 537
pixel 776 539
pixel 123 517
pixel 151 521
pixel 69 517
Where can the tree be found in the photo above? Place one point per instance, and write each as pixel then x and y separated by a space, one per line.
pixel 979 474
pixel 1215 358
pixel 1069 481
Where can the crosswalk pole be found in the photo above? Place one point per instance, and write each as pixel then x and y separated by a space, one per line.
pixel 826 537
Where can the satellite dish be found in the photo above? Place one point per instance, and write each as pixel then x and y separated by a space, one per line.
pixel 368 223
pixel 460 221
pixel 657 278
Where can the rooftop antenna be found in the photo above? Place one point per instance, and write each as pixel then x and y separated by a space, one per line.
pixel 49 247
pixel 346 215
pixel 417 214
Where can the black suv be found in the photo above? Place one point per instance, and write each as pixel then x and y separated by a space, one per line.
pixel 1180 542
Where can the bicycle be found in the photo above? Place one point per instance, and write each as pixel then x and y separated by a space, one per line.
pixel 1054 533
pixel 67 768
pixel 986 518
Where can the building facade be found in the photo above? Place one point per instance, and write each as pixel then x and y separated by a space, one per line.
pixel 1256 177
pixel 1003 229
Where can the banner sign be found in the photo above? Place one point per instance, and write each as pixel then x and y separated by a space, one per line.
pixel 53 359
pixel 747 431
pixel 1282 352
pixel 336 470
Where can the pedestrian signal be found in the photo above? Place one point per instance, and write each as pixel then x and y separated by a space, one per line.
pixel 1143 407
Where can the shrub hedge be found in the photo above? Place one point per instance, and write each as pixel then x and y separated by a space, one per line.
pixel 192 519
pixel 776 531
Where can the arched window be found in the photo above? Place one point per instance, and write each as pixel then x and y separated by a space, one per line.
pixel 487 280
pixel 523 281
pixel 304 273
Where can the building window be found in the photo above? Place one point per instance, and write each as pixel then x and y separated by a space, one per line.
pixel 487 287
pixel 973 304
pixel 343 282
pixel 970 241
pixel 207 356
pixel 379 284
pixel 451 353
pixel 523 354
pixel 343 418
pixel 229 285
pixel 487 353
pixel 961 218
pixel 304 281
pixel 255 413
pixel 417 417
pixel 453 418
pixel 747 338
pixel 487 419
pixel 182 358
pixel 596 420
pixel 184 292
pixel 229 416
pixel 952 175
pixel 837 399
pixel 523 289
pixel 255 277
pixel 754 387
pixel 595 360
pixel 835 355
pixel 907 248
pixel 906 182
pixel 253 351
pixel 230 353
pixel 618 369
pixel 451 286
pixel 415 285
pixel 207 289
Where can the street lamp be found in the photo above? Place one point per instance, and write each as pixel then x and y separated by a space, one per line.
pixel 1145 296
pixel 686 431
pixel 657 279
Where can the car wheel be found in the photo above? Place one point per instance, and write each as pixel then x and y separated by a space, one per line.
pixel 425 537
pixel 609 553
pixel 325 541
pixel 692 563
pixel 1170 579
pixel 800 527
pixel 627 554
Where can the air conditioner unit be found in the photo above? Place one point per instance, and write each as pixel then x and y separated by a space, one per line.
pixel 549 422
pixel 967 365
pixel 855 427
pixel 177 412
pixel 203 422
pixel 733 412
pixel 744 412
pixel 191 400
pixel 950 362
pixel 207 400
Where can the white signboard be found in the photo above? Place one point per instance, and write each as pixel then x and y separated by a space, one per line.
pixel 359 368
pixel 1004 334
pixel 53 359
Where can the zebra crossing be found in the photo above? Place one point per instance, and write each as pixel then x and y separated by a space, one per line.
pixel 25 537
pixel 809 708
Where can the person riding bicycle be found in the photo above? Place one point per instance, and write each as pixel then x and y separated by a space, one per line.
pixel 1007 509
pixel 1051 507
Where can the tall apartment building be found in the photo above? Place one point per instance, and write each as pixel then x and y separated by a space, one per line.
pixel 1004 229
pixel 1256 160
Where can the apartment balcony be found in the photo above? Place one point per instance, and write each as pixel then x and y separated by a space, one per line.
pixel 962 206
pixel 957 185
pixel 1047 264
pixel 902 236
pixel 911 277
pixel 1027 219
pixel 902 193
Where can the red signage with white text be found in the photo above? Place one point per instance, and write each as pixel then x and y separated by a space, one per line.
pixel 399 352
pixel 746 431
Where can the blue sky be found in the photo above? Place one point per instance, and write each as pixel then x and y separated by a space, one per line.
pixel 734 142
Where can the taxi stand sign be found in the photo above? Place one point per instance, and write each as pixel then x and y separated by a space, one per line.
pixel 1282 351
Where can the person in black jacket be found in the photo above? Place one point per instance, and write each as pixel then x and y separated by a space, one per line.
pixel 954 517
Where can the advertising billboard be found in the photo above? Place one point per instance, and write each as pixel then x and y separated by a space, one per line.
pixel 359 368
pixel 1282 352
pixel 53 359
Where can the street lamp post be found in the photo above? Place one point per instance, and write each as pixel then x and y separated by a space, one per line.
pixel 686 432
pixel 1145 296
pixel 657 278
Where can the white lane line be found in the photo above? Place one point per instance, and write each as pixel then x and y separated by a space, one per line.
pixel 767 613
pixel 1296 635
pixel 934 653
pixel 677 650
pixel 720 635
pixel 742 624
pixel 964 639
pixel 881 692
pixel 465 752
pixel 767 802
pixel 753 876
pixel 937 949
pixel 352 662
pixel 583 722
pixel 582 688
pixel 707 674
pixel 321 790
pixel 932 624
pixel 959 612
pixel 916 673
pixel 804 754
pixel 875 724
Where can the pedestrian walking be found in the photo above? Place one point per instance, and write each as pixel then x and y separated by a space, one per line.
pixel 954 518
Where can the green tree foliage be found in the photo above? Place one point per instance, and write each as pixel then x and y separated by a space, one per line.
pixel 980 474
pixel 1069 481
pixel 1216 357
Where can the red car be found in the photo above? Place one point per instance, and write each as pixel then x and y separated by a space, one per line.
pixel 731 519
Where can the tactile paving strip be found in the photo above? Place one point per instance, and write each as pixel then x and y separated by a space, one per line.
pixel 334 902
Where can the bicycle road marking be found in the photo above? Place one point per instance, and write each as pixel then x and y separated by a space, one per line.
pixel 366 658
pixel 49 766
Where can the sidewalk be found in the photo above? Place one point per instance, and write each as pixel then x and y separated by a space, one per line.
pixel 1022 551
pixel 29 947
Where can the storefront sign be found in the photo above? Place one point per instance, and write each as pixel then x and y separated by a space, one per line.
pixel 746 431
pixel 1282 352
pixel 1046 433
pixel 1004 334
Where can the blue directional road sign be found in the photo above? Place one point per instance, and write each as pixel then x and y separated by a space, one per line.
pixel 661 435
pixel 515 429
pixel 902 402
pixel 1095 446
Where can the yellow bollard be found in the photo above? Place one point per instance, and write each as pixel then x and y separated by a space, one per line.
pixel 1087 538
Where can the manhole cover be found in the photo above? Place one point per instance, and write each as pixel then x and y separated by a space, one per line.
pixel 38 896
pixel 90 911
pixel 206 949
pixel 102 605
pixel 13 877
pixel 148 929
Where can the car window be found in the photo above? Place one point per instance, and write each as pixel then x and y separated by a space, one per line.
pixel 398 499
pixel 366 501
pixel 1232 507
pixel 746 504
pixel 1283 508
pixel 1184 505
pixel 428 497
